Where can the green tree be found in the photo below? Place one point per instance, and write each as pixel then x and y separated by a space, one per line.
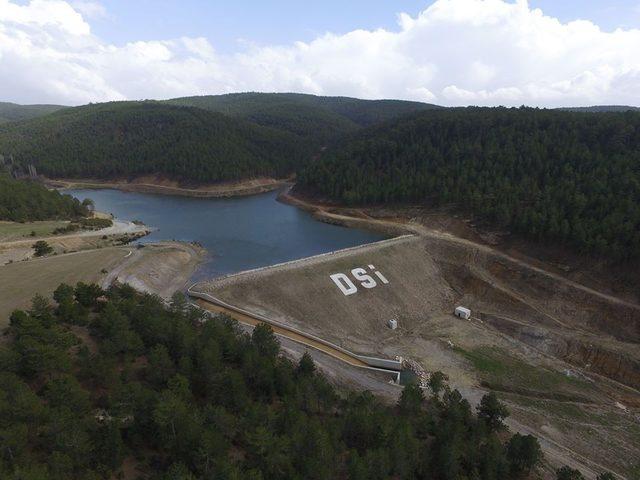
pixel 306 366
pixel 437 381
pixel 65 392
pixel 41 248
pixel 161 366
pixel 492 412
pixel 568 473
pixel 523 454
pixel 64 293
pixel 606 476
pixel 265 341
pixel 411 400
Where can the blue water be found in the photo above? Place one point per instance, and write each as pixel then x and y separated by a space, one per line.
pixel 239 233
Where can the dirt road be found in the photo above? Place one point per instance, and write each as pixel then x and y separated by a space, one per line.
pixel 417 229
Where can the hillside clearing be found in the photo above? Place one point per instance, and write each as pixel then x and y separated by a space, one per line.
pixel 20 281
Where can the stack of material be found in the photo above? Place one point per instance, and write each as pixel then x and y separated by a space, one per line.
pixel 418 371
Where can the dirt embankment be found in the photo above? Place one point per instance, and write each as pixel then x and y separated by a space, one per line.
pixel 160 185
pixel 160 268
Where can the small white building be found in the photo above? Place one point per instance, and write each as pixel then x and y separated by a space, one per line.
pixel 392 324
pixel 463 312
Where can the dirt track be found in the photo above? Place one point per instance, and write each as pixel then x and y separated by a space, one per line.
pixel 417 229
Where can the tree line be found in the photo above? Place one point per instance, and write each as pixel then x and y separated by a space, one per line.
pixel 185 399
pixel 572 178
pixel 127 139
pixel 27 201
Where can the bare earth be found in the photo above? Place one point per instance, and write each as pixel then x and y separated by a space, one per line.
pixel 160 268
pixel 156 184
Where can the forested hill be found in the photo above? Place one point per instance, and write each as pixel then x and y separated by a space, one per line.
pixel 601 108
pixel 12 112
pixel 317 119
pixel 551 175
pixel 135 138
pixel 22 201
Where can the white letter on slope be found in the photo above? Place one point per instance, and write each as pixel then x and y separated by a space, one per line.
pixel 360 274
pixel 345 285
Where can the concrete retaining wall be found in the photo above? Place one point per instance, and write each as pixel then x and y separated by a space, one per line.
pixel 374 363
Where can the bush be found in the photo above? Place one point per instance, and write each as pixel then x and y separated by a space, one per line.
pixel 42 248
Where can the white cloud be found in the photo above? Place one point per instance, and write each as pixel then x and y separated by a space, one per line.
pixel 455 52
pixel 54 15
pixel 90 8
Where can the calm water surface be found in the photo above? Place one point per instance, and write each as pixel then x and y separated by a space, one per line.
pixel 239 233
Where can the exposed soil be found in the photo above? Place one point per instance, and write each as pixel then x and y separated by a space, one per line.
pixel 159 268
pixel 161 185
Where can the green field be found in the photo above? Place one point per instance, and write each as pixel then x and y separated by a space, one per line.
pixel 500 371
pixel 20 281
pixel 19 231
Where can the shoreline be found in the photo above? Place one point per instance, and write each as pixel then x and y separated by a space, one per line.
pixel 580 276
pixel 350 218
pixel 157 186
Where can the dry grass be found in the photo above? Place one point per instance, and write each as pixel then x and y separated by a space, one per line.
pixel 20 281
pixel 10 231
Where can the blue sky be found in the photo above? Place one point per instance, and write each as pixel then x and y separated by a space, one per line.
pixel 225 23
pixel 450 52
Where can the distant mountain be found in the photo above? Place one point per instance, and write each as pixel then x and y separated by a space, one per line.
pixel 601 108
pixel 317 119
pixel 12 112
pixel 135 138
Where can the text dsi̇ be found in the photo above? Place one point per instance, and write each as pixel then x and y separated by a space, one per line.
pixel 364 278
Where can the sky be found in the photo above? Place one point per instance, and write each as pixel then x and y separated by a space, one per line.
pixel 450 52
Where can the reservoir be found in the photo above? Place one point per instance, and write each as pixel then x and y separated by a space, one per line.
pixel 240 233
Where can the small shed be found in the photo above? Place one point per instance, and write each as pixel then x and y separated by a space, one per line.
pixel 392 324
pixel 463 312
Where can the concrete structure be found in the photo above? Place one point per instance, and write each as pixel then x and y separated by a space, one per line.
pixel 392 324
pixel 391 366
pixel 463 312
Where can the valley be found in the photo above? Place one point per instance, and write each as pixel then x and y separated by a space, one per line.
pixel 351 230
